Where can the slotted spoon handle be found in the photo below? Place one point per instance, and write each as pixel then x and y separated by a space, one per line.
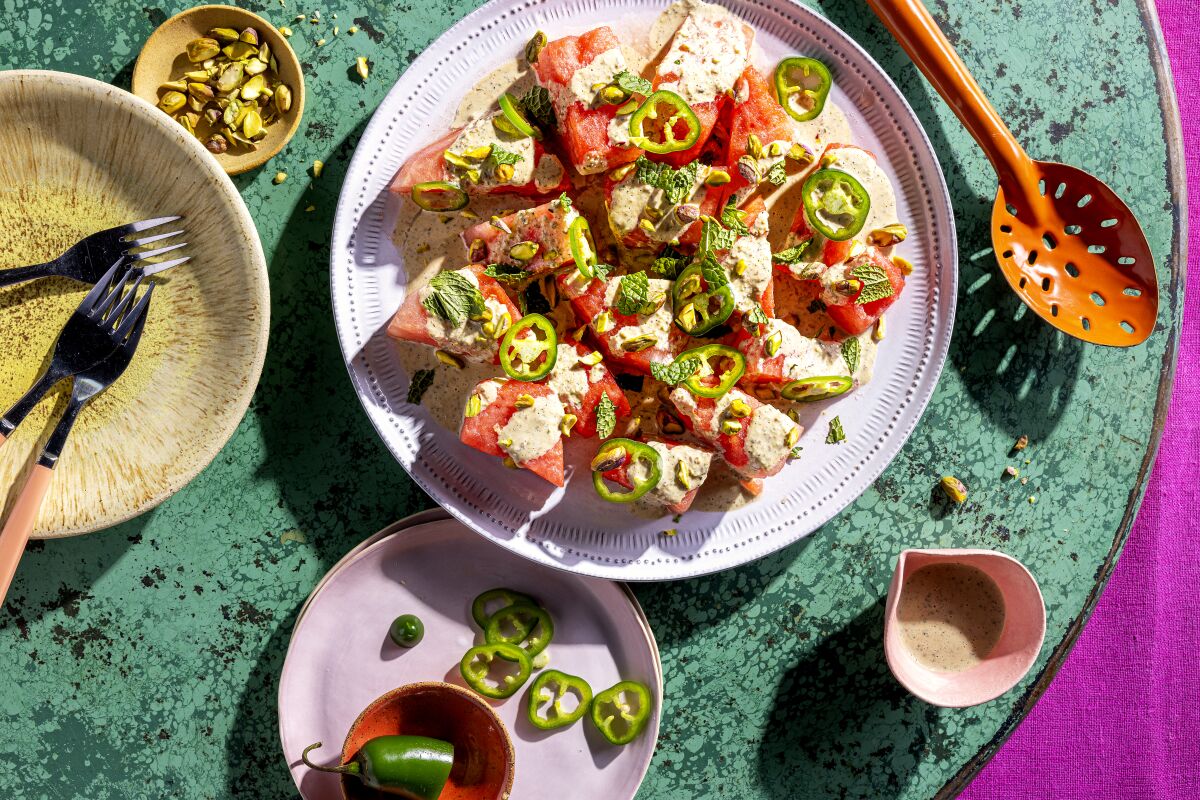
pixel 917 32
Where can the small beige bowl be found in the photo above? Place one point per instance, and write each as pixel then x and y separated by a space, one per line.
pixel 163 59
pixel 1009 660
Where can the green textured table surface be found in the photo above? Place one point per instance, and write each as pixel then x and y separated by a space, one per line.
pixel 143 661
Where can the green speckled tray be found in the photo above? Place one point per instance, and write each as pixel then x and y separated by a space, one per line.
pixel 143 661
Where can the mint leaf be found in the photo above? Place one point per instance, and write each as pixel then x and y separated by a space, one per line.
pixel 500 156
pixel 714 237
pixel 677 371
pixel 668 267
pixel 602 271
pixel 453 297
pixel 537 107
pixel 508 273
pixel 876 285
pixel 632 84
pixel 734 219
pixel 632 293
pixel 606 417
pixel 836 434
pixel 777 174
pixel 791 255
pixel 676 183
pixel 422 379
pixel 795 452
pixel 563 201
pixel 851 353
pixel 714 274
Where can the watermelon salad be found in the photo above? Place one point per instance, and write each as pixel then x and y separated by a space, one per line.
pixel 640 296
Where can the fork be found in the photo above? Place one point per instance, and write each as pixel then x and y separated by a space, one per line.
pixel 95 347
pixel 85 261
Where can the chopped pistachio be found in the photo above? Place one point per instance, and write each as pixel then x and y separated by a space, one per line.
pixel 888 235
pixel 748 168
pixel 609 459
pixel 474 406
pixel 955 489
pixel 353 29
pixel 591 359
pixel 829 159
pixel 639 343
pixel 717 177
pixel 172 102
pixel 792 437
pixel 577 335
pixel 202 49
pixel 568 422
pixel 754 146
pixel 317 168
pixel 503 324
pixel 285 31
pixel 730 426
pixel 524 251
pixel 505 172
pixel 1022 443
pixel 224 35
pixel 646 225
pixel 740 408
pixel 613 95
pixel 362 67
pixel 509 462
pixel 524 401
pixel 879 332
pixel 904 264
pixel 683 475
pixel 670 532
pixel 773 343
pixel 620 172
pixel 449 359
pixel 740 267
pixel 279 178
pixel 603 322
pixel 320 42
pixel 1032 499
pixel 534 47
pixel 799 153
pixel 310 209
pixel 775 149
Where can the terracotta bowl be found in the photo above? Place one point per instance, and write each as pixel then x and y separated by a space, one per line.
pixel 484 759
pixel 1009 660
pixel 163 59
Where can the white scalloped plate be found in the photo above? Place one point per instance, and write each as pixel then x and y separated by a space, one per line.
pixel 571 528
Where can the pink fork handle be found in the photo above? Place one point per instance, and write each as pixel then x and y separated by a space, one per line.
pixel 20 524
pixel 918 33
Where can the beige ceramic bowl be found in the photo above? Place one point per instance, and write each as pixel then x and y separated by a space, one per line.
pixel 202 351
pixel 163 59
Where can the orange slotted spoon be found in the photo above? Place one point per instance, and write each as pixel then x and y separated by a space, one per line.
pixel 1069 247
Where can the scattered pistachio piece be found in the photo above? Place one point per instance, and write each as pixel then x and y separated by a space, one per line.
pixel 1032 499
pixel 318 168
pixel 792 437
pixel 754 146
pixel 670 532
pixel 362 67
pixel 524 251
pixel 773 343
pixel 717 177
pixel 474 406
pixel 730 426
pixel 879 332
pixel 1022 443
pixel 449 359
pixel 955 489
pixel 1012 471
pixel 534 47
pixel 740 408
pixel 285 31
pixel 639 343
pixel 568 422
pixel 202 49
pixel 353 29
pixel 683 475
pixel 320 42
pixel 904 264
pixel 829 159
pixel 279 178
pixel 524 401
pixel 888 235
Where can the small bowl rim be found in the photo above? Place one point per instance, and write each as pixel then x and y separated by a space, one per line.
pixel 891 635
pixel 141 80
pixel 510 755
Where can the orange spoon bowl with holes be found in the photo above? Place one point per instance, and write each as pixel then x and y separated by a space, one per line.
pixel 1067 244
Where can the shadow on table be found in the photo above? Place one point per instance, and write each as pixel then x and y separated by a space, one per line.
pixel 839 716
pixel 334 475
pixel 254 768
pixel 1019 370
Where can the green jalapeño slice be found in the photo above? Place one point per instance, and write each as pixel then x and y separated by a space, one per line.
pixel 665 123
pixel 720 368
pixel 529 348
pixel 802 86
pixel 513 121
pixel 810 390
pixel 643 469
pixel 583 247
pixel 835 203
pixel 439 196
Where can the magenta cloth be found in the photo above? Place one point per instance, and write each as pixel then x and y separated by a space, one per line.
pixel 1122 718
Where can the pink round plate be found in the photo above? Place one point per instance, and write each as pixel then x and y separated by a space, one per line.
pixel 340 657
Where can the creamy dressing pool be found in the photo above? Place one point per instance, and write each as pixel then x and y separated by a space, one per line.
pixel 533 431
